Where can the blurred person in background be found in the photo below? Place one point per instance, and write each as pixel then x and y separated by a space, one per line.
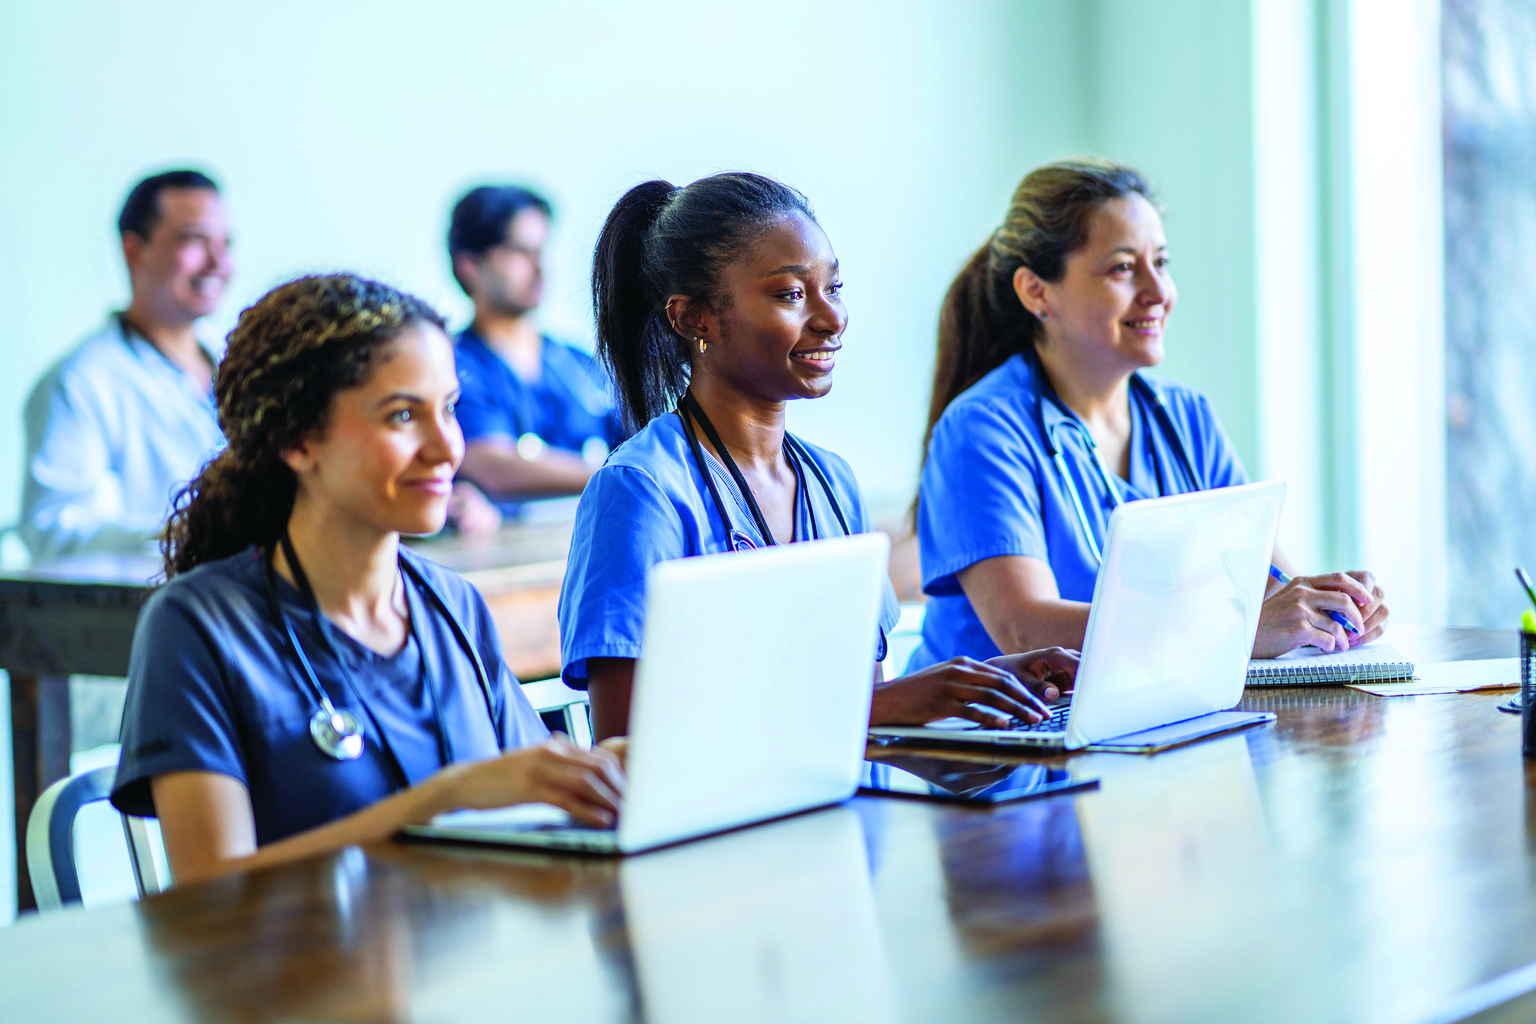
pixel 538 414
pixel 126 419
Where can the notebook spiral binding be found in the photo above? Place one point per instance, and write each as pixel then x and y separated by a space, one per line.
pixel 1331 675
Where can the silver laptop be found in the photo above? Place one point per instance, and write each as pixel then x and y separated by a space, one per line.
pixel 751 699
pixel 1174 616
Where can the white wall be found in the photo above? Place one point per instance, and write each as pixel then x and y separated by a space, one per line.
pixel 343 132
pixel 1169 92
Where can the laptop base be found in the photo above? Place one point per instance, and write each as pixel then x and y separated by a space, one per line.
pixel 532 836
pixel 1147 741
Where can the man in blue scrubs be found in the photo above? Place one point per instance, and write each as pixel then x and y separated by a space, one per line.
pixel 537 414
pixel 123 421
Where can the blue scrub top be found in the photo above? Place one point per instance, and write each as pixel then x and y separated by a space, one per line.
pixel 567 406
pixel 213 686
pixel 989 489
pixel 649 504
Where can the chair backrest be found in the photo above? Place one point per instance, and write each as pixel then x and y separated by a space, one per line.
pixel 552 698
pixel 51 840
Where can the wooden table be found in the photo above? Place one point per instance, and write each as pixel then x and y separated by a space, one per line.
pixel 77 616
pixel 1363 859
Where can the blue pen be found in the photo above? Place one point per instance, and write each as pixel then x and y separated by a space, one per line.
pixel 1279 574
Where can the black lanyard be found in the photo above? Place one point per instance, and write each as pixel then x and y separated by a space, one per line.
pixel 794 453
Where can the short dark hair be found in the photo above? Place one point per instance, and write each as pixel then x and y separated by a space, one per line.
pixel 480 220
pixel 141 210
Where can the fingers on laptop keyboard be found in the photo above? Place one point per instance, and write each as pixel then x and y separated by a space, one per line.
pixel 1010 695
pixel 993 707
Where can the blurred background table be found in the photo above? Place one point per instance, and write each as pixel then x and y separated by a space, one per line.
pixel 1362 859
pixel 74 617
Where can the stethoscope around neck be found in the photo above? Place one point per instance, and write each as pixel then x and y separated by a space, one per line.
pixel 688 410
pixel 1139 385
pixel 337 731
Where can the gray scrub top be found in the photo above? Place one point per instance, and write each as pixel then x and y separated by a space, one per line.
pixel 214 686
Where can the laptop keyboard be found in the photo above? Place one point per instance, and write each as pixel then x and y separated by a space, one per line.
pixel 1056 723
pixel 570 827
pixel 582 838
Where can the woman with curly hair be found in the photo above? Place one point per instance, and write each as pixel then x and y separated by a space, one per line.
pixel 303 682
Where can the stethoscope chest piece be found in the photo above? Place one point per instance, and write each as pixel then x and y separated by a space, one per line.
pixel 337 733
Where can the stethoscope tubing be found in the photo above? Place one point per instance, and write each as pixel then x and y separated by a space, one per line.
pixel 269 575
pixel 1047 433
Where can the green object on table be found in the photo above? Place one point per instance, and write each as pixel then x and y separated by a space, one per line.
pixel 1528 621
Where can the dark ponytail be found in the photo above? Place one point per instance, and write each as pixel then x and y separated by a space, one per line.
pixel 982 322
pixel 288 357
pixel 661 241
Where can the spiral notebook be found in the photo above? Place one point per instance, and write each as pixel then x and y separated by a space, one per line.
pixel 1307 666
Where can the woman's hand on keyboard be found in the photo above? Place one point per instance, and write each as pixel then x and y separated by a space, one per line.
pixel 1049 674
pixel 587 783
pixel 950 689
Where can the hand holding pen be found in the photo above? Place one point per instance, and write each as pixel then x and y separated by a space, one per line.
pixel 1333 612
pixel 1285 581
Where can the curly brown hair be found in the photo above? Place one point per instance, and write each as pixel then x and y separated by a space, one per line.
pixel 288 357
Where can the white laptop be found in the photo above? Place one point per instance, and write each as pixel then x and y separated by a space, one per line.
pixel 751 699
pixel 1174 617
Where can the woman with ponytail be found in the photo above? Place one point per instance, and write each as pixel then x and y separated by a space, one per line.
pixel 1042 340
pixel 302 682
pixel 717 304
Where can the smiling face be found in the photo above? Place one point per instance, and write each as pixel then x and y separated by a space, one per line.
pixel 779 317
pixel 391 445
pixel 182 268
pixel 1111 307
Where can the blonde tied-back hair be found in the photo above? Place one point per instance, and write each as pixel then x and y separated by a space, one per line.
pixel 288 356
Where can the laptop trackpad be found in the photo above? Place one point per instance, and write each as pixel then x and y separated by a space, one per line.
pixel 953 724
pixel 517 818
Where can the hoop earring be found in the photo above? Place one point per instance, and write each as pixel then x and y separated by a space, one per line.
pixel 702 346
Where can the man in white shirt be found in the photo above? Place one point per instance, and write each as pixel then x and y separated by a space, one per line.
pixel 127 419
